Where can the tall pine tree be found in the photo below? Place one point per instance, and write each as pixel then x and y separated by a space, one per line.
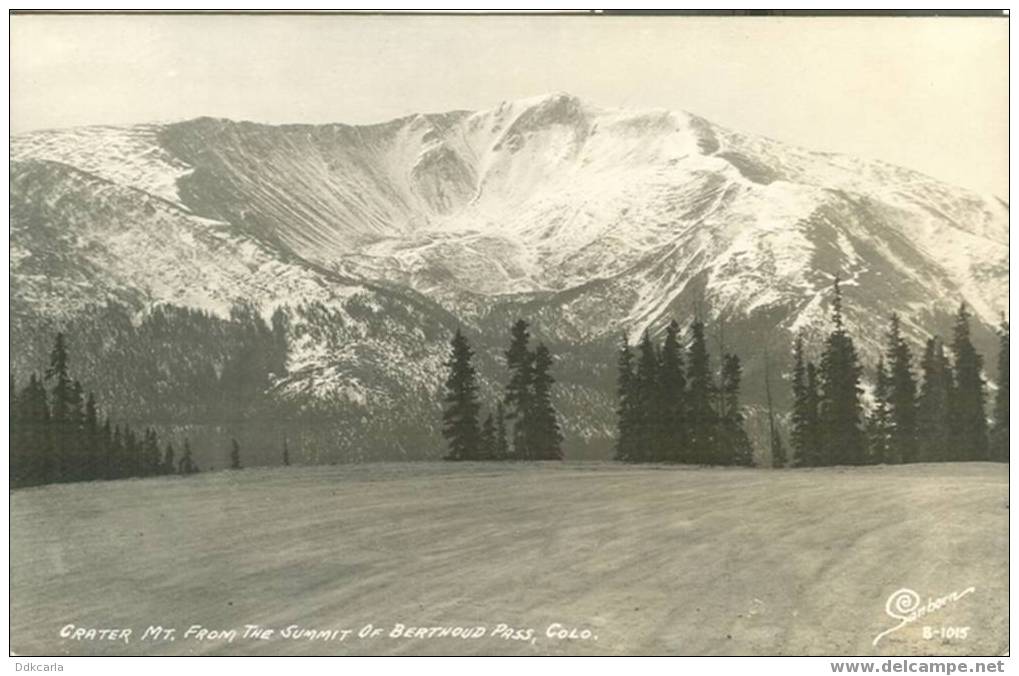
pixel 804 453
pixel 648 440
pixel 968 399
pixel 152 457
pixel 626 408
pixel 186 465
pixel 934 425
pixel 460 417
pixel 701 423
pixel 733 444
pixel 843 441
pixel 76 428
pixel 107 459
pixel 118 455
pixel 816 439
pixel 169 464
pixel 502 450
pixel 61 412
pixel 778 453
pixel 901 397
pixel 14 451
pixel 132 454
pixel 672 391
pixel 520 362
pixel 879 422
pixel 488 443
pixel 777 448
pixel 38 464
pixel 546 438
pixel 93 459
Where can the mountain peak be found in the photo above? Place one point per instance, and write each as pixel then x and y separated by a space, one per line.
pixel 561 192
pixel 589 222
pixel 548 97
pixel 547 101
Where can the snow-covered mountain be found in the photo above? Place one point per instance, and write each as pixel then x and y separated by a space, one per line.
pixel 590 222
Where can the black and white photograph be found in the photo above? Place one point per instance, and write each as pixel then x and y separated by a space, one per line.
pixel 509 334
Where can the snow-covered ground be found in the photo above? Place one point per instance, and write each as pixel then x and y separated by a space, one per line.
pixel 648 560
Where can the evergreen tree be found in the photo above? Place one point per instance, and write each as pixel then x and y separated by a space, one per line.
pixel 90 451
pixel 879 422
pixel 672 405
pixel 968 397
pixel 38 461
pixel 144 462
pixel 93 461
pixel 169 466
pixel 815 439
pixel 733 444
pixel 133 451
pixel 235 454
pixel 21 454
pixel 502 451
pixel 701 423
pixel 901 397
pixel 132 454
pixel 488 442
pixel 460 418
pixel 546 438
pixel 118 455
pixel 186 464
pixel 999 433
pixel 286 453
pixel 76 428
pixel 778 454
pixel 152 459
pixel 61 415
pixel 933 405
pixel 520 362
pixel 626 410
pixel 14 452
pixel 840 410
pixel 107 459
pixel 648 437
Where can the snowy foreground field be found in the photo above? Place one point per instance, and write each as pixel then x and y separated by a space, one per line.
pixel 523 559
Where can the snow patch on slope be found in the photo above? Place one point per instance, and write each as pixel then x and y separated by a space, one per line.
pixel 129 156
pixel 550 195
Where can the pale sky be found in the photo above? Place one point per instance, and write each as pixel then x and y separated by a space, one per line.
pixel 930 94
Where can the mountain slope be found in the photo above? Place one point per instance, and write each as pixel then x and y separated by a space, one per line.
pixel 590 222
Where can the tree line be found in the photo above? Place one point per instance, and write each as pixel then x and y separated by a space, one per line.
pixel 940 416
pixel 57 435
pixel 672 405
pixel 671 408
pixel 213 378
pixel 184 372
pixel 523 425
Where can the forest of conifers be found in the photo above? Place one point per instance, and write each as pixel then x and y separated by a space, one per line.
pixel 673 406
pixel 673 409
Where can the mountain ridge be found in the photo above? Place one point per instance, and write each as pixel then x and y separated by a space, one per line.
pixel 591 222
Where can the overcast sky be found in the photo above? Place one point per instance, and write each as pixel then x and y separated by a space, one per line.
pixel 930 94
